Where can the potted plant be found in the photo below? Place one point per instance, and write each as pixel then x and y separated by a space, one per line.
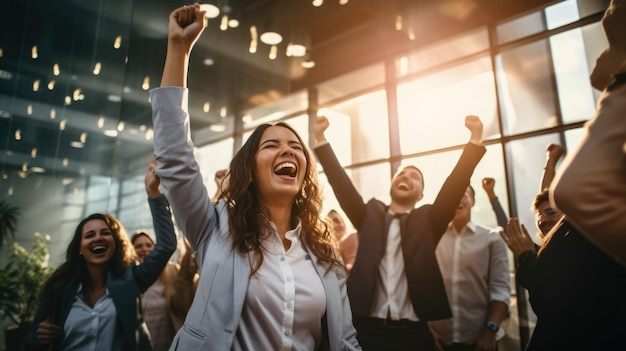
pixel 20 283
pixel 9 216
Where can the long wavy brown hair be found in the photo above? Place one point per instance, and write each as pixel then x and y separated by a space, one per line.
pixel 250 226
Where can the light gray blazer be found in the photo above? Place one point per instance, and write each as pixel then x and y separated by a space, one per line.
pixel 214 316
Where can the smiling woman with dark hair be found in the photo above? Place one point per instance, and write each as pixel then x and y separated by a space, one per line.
pixel 93 300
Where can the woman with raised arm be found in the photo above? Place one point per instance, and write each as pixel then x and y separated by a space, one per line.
pixel 270 277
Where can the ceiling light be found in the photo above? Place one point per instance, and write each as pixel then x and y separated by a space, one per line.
pixel 56 70
pixel 4 74
pixel 206 107
pixel 211 11
pixel 67 181
pixel 36 85
pixel 208 62
pixel 77 145
pixel 110 133
pixel 343 2
pixel 62 124
pixel 37 170
pixel 34 53
pixel 146 83
pixel 118 42
pixel 296 50
pixel 33 153
pixel 18 134
pixel 233 23
pixel 66 162
pixel 271 38
pixel 224 23
pixel 51 84
pixel 29 109
pixel 273 52
pixel 317 3
pixel 308 63
pixel 217 128
pixel 83 137
pixel 120 126
pixel 114 98
pixel 53 113
pixel 96 68
pixel 399 23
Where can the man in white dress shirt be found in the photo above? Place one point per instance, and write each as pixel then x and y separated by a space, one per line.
pixel 474 264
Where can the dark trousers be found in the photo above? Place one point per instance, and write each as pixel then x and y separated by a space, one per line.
pixel 376 334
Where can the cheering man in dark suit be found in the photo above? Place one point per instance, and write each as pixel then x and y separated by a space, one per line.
pixel 395 285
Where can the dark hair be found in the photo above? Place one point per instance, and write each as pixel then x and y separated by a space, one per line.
pixel 541 197
pixel 74 270
pixel 248 223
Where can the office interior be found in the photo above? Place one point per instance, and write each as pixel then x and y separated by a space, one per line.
pixel 396 79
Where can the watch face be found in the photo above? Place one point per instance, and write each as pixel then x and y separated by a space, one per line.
pixel 492 326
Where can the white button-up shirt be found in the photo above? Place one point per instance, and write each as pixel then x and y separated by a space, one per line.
pixel 391 298
pixel 92 329
pixel 475 268
pixel 285 301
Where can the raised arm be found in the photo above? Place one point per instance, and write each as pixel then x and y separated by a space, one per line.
pixel 349 198
pixel 453 189
pixel 181 180
pixel 185 26
pixel 554 152
pixel 154 263
pixel 488 186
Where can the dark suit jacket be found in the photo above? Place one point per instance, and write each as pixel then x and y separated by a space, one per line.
pixel 125 289
pixel 578 294
pixel 420 232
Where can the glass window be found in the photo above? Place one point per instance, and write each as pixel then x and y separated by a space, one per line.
pixel 444 51
pixel 562 13
pixel 432 109
pixel 359 129
pixel 520 27
pixel 350 83
pixel 572 68
pixel 212 158
pixel 527 93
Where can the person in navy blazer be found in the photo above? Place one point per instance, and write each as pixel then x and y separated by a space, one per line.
pixel 397 320
pixel 93 300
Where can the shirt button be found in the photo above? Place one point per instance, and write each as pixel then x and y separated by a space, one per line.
pixel 289 305
pixel 282 258
pixel 288 279
pixel 287 333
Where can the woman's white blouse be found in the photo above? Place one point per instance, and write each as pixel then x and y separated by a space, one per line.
pixel 94 328
pixel 285 301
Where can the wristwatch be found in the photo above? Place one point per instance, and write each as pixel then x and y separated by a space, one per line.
pixel 492 327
